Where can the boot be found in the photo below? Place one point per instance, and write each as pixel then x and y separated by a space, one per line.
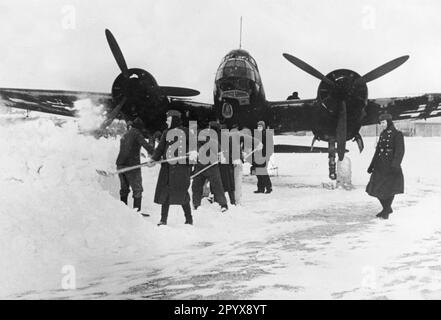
pixel 389 205
pixel 137 205
pixel 384 216
pixel 164 214
pixel 187 213
pixel 232 197
pixel 224 208
pixel 260 185
pixel 268 184
pixel 124 199
pixel 384 210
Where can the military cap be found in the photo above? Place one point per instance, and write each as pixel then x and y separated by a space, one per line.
pixel 261 123
pixel 384 116
pixel 173 113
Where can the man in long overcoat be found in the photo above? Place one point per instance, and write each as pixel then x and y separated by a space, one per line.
pixel 174 176
pixel 386 174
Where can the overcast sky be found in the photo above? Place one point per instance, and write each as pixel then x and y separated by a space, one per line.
pixel 55 44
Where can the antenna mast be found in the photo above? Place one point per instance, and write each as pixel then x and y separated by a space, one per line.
pixel 240 41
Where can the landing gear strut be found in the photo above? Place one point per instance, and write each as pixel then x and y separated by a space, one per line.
pixel 359 141
pixel 331 156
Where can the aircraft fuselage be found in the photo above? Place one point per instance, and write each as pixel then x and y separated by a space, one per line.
pixel 239 96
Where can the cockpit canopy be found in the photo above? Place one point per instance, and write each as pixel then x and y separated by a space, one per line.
pixel 240 53
pixel 236 68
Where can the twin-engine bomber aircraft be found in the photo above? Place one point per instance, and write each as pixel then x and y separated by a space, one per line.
pixel 336 115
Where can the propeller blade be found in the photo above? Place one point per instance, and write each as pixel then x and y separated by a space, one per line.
pixel 341 133
pixel 112 115
pixel 117 53
pixel 179 92
pixel 383 69
pixel 307 68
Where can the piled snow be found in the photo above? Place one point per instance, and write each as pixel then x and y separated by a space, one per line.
pixel 55 210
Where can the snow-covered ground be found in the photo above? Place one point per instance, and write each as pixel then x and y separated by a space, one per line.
pixel 302 241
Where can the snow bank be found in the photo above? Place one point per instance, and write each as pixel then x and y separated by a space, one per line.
pixel 53 209
pixel 56 211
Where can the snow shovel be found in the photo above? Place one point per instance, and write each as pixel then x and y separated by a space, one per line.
pixel 214 163
pixel 206 168
pixel 112 173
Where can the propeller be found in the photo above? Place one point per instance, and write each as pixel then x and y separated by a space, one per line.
pixel 382 70
pixel 178 91
pixel 113 114
pixel 307 68
pixel 341 131
pixel 117 53
pixel 342 89
pixel 143 84
pixel 119 58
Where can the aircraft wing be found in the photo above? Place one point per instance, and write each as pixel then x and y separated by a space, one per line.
pixel 404 108
pixel 197 111
pixel 292 115
pixel 289 148
pixel 49 101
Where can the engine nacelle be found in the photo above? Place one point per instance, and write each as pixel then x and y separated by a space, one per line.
pixel 140 83
pixel 354 93
pixel 347 88
pixel 144 97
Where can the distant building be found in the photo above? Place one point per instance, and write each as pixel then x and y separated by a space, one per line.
pixel 420 128
pixel 410 128
pixel 428 129
pixel 9 110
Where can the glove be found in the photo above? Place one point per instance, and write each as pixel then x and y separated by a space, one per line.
pixel 193 155
pixel 370 169
pixel 237 162
pixel 150 163
pixel 222 158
